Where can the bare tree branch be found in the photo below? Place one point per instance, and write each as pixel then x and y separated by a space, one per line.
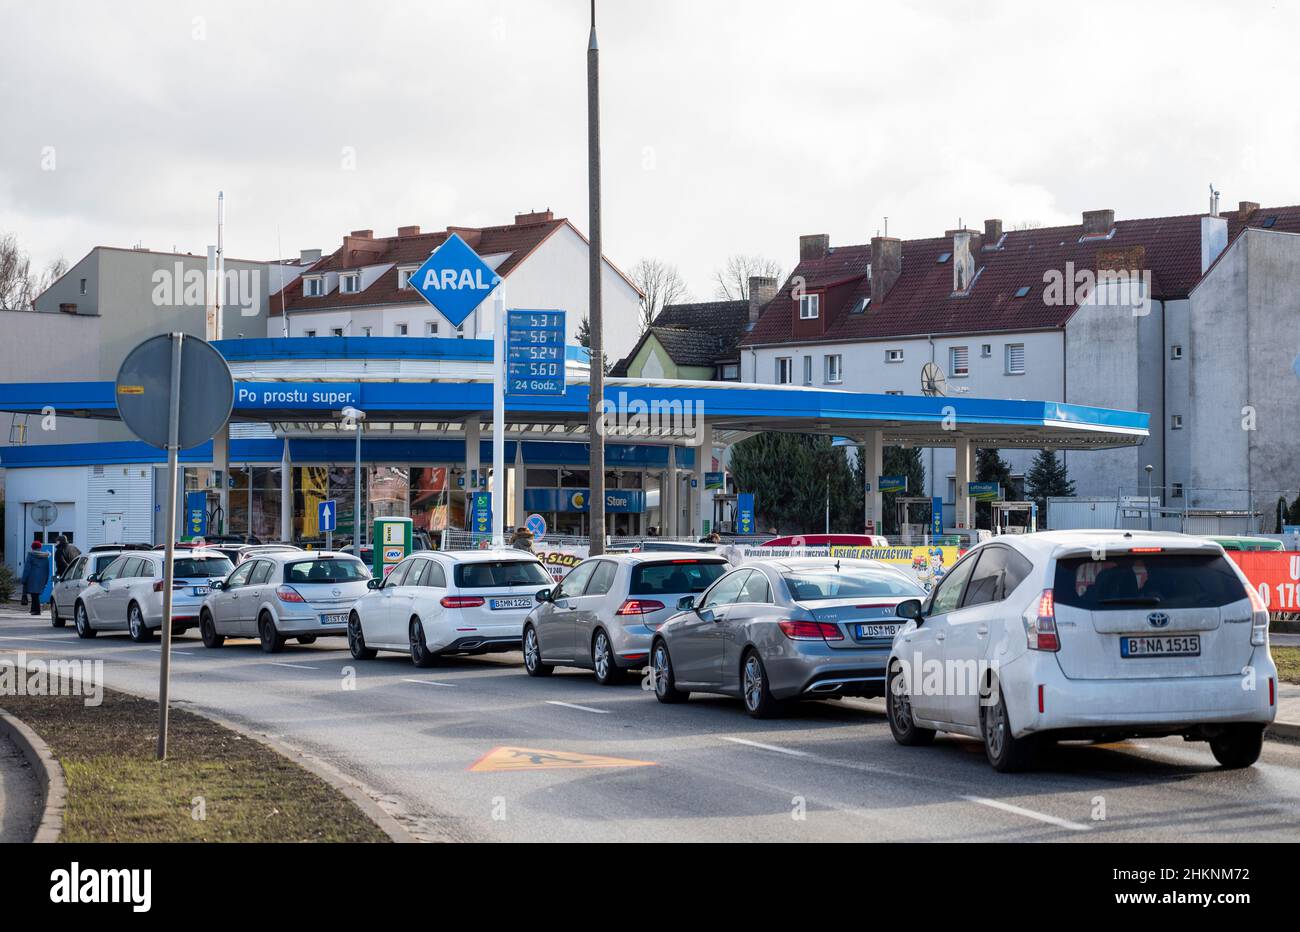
pixel 732 280
pixel 19 285
pixel 662 284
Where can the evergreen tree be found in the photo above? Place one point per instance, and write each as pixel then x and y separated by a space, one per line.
pixel 1047 478
pixel 790 475
pixel 991 467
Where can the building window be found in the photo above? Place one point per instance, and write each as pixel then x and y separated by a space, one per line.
pixel 1176 490
pixel 399 330
pixel 1175 352
pixel 810 306
pixel 430 328
pixel 1176 422
pixel 807 370
pixel 893 391
pixel 365 331
pixel 337 331
pixel 83 286
pixel 835 368
pixel 1015 359
pixel 460 332
pixel 313 287
pixel 986 351
pixel 730 372
pixel 784 370
pixel 350 284
pixel 894 355
pixel 959 361
pixel 404 277
pixel 309 333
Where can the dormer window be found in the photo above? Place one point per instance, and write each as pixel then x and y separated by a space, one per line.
pixel 350 283
pixel 313 287
pixel 404 278
pixel 810 306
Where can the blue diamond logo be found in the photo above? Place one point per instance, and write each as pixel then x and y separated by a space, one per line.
pixel 455 280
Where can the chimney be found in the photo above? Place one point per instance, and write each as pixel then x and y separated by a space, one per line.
pixel 364 234
pixel 1098 222
pixel 534 216
pixel 814 246
pixel 762 289
pixel 992 233
pixel 886 265
pixel 308 256
pixel 1245 208
pixel 359 247
pixel 1214 239
pixel 408 231
pixel 963 263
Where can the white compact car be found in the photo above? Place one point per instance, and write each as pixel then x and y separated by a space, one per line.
pixel 75 579
pixel 439 602
pixel 128 593
pixel 1100 635
pixel 275 595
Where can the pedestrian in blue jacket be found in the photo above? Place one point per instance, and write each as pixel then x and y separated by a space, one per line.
pixel 36 573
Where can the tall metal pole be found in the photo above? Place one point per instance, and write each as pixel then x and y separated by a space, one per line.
pixel 169 547
pixel 499 416
pixel 596 323
pixel 358 510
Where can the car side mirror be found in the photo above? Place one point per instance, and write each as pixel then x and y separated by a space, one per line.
pixel 910 609
pixel 686 603
pixel 375 582
pixel 543 595
pixel 217 584
pixel 92 578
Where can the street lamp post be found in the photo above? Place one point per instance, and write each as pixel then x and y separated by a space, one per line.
pixel 356 416
pixel 596 327
pixel 1149 469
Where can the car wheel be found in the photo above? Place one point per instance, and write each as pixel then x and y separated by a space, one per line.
pixel 56 620
pixel 272 640
pixel 533 665
pixel 759 701
pixel 307 639
pixel 135 625
pixel 208 631
pixel 898 708
pixel 607 670
pixel 1238 745
pixel 82 622
pixel 1006 752
pixel 661 664
pixel 420 654
pixel 357 641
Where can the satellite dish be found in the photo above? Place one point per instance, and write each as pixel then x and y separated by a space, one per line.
pixel 933 381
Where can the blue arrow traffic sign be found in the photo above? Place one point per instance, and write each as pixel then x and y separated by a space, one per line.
pixel 327 515
pixel 454 279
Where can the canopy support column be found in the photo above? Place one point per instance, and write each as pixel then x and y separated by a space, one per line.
pixel 962 502
pixel 873 454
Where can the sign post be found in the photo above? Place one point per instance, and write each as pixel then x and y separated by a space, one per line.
pixel 455 281
pixel 327 516
pixel 149 389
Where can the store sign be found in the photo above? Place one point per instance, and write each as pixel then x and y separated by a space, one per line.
pixel 617 501
pixel 296 396
pixel 454 279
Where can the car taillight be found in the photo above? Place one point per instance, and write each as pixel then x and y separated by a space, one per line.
pixel 176 584
pixel 639 607
pixel 461 601
pixel 1041 628
pixel 1258 617
pixel 288 594
pixel 811 631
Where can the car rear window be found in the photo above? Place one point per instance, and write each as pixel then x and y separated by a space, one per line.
pixel 1171 580
pixel 811 585
pixel 325 571
pixel 675 576
pixel 492 573
pixel 203 566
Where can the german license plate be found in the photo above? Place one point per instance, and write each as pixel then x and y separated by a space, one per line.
pixel 334 618
pixel 1166 645
pixel 878 631
pixel 200 590
pixel 521 601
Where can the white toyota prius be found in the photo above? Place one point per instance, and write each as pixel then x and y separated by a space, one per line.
pixel 1101 635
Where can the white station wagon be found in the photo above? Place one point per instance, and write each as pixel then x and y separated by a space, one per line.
pixel 1102 635
pixel 438 602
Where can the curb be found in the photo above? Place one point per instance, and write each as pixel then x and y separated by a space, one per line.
pixel 49 775
pixel 1285 731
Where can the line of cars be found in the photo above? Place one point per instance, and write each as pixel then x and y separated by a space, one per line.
pixel 1026 640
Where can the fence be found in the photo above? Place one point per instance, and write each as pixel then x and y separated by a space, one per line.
pixel 1214 512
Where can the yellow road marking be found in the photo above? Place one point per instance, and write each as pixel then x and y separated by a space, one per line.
pixel 511 758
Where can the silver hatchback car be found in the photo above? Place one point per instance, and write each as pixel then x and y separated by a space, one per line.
pixel 603 614
pixel 777 630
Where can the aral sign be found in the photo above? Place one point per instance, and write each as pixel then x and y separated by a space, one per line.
pixel 455 280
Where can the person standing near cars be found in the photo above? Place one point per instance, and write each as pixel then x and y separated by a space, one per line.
pixel 64 555
pixel 522 539
pixel 36 573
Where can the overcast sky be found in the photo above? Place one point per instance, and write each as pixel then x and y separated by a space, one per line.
pixel 728 126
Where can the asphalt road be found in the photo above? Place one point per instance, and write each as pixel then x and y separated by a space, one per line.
pixel 427 743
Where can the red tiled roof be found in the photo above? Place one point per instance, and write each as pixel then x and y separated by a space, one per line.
pixel 921 300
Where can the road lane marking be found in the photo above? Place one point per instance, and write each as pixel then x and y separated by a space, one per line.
pixel 512 758
pixel 296 666
pixel 16 637
pixel 427 682
pixel 580 708
pixel 765 747
pixel 1029 813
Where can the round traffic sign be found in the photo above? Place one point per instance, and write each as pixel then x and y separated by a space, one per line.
pixel 45 512
pixel 536 525
pixel 144 388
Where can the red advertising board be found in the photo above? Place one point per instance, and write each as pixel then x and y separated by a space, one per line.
pixel 1275 574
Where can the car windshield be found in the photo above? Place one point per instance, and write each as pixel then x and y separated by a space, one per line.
pixel 492 573
pixel 673 577
pixel 325 571
pixel 850 582
pixel 1172 580
pixel 203 566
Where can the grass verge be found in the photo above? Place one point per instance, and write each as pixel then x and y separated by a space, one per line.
pixel 216 785
pixel 1288 663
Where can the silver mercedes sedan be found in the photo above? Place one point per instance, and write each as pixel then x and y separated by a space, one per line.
pixel 779 630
